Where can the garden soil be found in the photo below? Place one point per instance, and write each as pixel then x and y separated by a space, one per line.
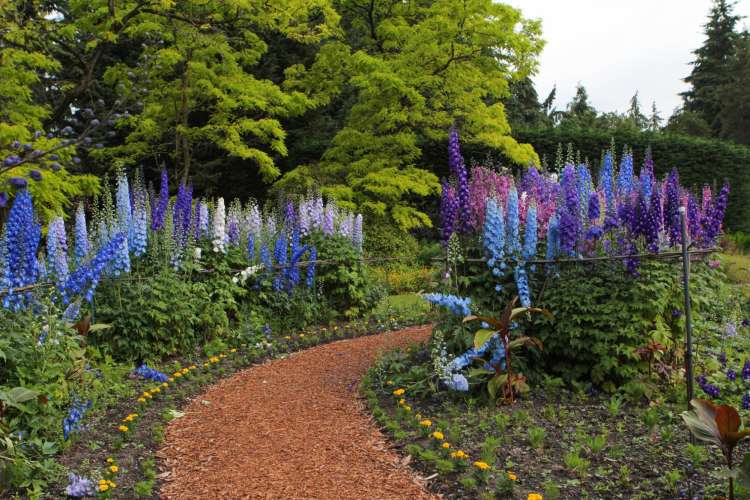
pixel 292 429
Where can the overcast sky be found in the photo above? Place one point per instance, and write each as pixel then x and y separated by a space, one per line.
pixel 616 47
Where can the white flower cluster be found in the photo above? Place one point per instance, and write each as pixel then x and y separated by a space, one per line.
pixel 440 356
pixel 243 275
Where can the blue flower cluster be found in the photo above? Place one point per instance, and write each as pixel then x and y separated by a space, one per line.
pixel 494 345
pixel 707 387
pixel 81 243
pixel 310 278
pixel 20 243
pixel 460 306
pixel 79 486
pixel 494 237
pixel 150 373
pixel 84 280
pixel 76 413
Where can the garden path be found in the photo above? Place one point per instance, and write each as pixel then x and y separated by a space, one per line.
pixel 293 429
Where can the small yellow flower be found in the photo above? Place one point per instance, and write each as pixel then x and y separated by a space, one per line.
pixel 193 367
pixel 402 401
pixel 103 487
pixel 287 337
pixel 164 384
pixel 233 350
pixel 481 465
pixel 110 460
pixel 399 392
pixel 407 408
pixel 512 476
pixel 446 445
pixel 425 423
pixel 111 484
pixel 102 481
pixel 123 428
pixel 214 359
pixel 113 468
pixel 156 389
pixel 301 334
pixel 389 382
pixel 177 374
pixel 170 379
pixel 335 328
pixel 185 370
pixel 205 365
pixel 438 435
pixel 418 416
pixel 222 355
pixel 459 454
pixel 534 496
pixel 141 399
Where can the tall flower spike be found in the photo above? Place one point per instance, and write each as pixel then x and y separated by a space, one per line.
pixel 81 243
pixel 159 206
pixel 530 235
pixel 448 211
pixel 494 237
pixel 310 276
pixel 357 235
pixel 458 169
pixel 513 242
pixel 57 251
pixel 219 234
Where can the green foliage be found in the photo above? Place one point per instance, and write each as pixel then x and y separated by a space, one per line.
pixel 602 316
pixel 410 71
pixel 347 285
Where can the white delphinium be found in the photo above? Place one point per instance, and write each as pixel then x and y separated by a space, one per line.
pixel 219 227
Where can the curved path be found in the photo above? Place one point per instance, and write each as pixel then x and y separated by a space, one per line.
pixel 291 429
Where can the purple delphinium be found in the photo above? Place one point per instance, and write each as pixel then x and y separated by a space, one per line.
pixel 654 221
pixel 280 254
pixel 57 251
pixel 183 209
pixel 250 247
pixel 79 486
pixel 329 218
pixel 159 206
pixel 458 169
pixel 712 220
pixel 357 235
pixel 569 212
pixel 310 276
pixel 694 219
pixel 672 207
pixel 84 280
pixel 731 375
pixel 746 401
pixel 746 371
pixel 448 211
pixel 607 182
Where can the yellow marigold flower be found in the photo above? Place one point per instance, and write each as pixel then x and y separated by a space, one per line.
pixel 165 384
pixel 129 418
pixel 438 435
pixel 407 408
pixel 156 389
pixel 402 401
pixel 446 445
pixel 110 460
pixel 399 392
pixel 141 399
pixel 459 454
pixel 389 382
pixel 214 359
pixel 177 374
pixel 193 367
pixel 425 423
pixel 102 481
pixel 534 496
pixel 222 355
pixel 170 379
pixel 185 370
pixel 335 328
pixel 205 365
pixel 481 465
pixel 103 487
pixel 113 468
pixel 111 484
pixel 123 428
pixel 233 350
pixel 512 476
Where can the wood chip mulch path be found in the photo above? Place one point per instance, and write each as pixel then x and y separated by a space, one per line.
pixel 290 429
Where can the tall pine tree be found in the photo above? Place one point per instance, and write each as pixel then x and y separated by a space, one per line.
pixel 712 65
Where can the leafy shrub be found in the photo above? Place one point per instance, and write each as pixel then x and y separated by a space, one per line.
pixel 401 278
pixel 386 240
pixel 349 287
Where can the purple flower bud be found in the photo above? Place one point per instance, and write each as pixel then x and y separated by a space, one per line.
pixel 76 160
pixel 36 175
pixel 15 144
pixel 3 199
pixel 18 182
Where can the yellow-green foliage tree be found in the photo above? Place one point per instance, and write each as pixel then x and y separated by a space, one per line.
pixel 412 70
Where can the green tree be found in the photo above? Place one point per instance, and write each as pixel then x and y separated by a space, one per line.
pixel 688 123
pixel 634 114
pixel 712 65
pixel 735 97
pixel 655 120
pixel 522 107
pixel 411 70
pixel 580 113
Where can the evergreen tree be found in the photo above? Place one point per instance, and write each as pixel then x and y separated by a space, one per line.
pixel 712 65
pixel 523 107
pixel 655 120
pixel 634 114
pixel 735 97
pixel 580 113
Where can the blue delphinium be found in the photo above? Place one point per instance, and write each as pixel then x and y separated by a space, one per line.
pixel 672 207
pixel 159 206
pixel 530 235
pixel 606 181
pixel 121 262
pixel 73 421
pixel 522 284
pixel 553 239
pixel 460 306
pixel 625 175
pixel 84 280
pixel 513 241
pixel 79 486
pixel 21 244
pixel 138 236
pixel 57 252
pixel 265 257
pixel 250 247
pixel 746 401
pixel 122 200
pixel 280 255
pixel 144 371
pixel 310 278
pixel 81 243
pixel 494 236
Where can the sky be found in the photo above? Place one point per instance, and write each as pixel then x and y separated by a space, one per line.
pixel 616 47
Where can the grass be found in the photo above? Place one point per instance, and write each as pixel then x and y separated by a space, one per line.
pixel 737 268
pixel 397 305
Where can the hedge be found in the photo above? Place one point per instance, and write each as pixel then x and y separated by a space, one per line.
pixel 699 161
